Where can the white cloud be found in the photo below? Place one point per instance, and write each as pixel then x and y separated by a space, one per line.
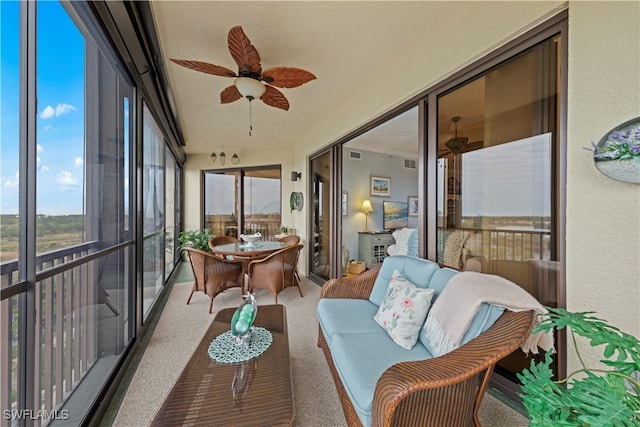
pixel 45 168
pixel 39 148
pixel 12 183
pixel 49 112
pixel 66 180
pixel 78 161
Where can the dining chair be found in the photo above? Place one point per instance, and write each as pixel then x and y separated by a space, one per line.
pixel 276 271
pixel 213 275
pixel 290 240
pixel 222 240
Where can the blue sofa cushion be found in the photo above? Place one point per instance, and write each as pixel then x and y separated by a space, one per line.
pixel 359 374
pixel 417 270
pixel 355 316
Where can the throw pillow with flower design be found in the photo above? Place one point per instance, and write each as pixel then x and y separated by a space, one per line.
pixel 403 310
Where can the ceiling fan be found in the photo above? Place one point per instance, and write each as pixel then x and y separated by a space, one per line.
pixel 251 81
pixel 459 144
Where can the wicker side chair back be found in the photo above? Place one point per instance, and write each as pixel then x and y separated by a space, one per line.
pixel 213 275
pixel 276 271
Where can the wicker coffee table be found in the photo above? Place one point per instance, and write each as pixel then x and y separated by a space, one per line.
pixel 253 393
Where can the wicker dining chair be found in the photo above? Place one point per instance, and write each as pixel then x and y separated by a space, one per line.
pixel 276 271
pixel 290 240
pixel 213 275
pixel 222 240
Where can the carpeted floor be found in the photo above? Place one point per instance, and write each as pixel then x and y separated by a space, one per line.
pixel 181 327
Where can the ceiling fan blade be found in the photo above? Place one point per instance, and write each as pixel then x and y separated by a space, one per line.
pixel 242 51
pixel 287 76
pixel 205 67
pixel 471 146
pixel 275 98
pixel 230 94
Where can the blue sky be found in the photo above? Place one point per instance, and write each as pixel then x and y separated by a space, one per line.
pixel 60 123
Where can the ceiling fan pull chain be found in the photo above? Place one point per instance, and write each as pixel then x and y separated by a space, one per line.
pixel 250 117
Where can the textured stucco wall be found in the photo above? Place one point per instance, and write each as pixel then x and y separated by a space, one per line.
pixel 603 215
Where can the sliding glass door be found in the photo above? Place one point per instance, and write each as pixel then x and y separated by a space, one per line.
pixel 243 201
pixel 321 209
pixel 498 145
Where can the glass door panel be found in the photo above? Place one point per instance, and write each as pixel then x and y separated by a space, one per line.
pixel 220 205
pixel 388 151
pixel 231 209
pixel 497 182
pixel 321 216
pixel 262 204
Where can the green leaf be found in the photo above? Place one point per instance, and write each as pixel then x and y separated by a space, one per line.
pixel 597 397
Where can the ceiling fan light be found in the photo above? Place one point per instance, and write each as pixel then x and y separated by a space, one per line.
pixel 249 88
pixel 456 143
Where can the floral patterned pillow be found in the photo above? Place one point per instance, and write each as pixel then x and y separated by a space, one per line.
pixel 403 310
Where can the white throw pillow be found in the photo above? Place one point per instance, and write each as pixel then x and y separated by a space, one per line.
pixel 402 240
pixel 403 310
pixel 453 249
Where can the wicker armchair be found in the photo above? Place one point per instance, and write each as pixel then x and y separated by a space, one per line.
pixel 276 271
pixel 443 391
pixel 222 240
pixel 290 240
pixel 213 275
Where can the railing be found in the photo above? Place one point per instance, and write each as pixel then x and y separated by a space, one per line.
pixel 268 228
pixel 66 325
pixel 508 244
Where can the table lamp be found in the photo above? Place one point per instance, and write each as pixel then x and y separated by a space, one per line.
pixel 366 208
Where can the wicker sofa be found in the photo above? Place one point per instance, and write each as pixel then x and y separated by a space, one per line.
pixel 382 384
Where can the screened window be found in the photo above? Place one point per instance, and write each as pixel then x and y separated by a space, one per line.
pixel 74 155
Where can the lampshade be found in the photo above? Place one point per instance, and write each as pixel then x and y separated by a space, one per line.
pixel 235 159
pixel 223 157
pixel 249 88
pixel 213 157
pixel 366 206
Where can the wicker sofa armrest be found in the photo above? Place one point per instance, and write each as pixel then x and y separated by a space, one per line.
pixel 446 390
pixel 358 287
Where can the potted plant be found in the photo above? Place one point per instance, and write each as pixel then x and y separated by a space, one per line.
pixel 607 395
pixel 198 239
pixel 283 230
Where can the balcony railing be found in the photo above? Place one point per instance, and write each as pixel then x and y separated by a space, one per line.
pixel 509 244
pixel 68 297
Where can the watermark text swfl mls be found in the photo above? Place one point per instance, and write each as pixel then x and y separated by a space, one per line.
pixel 30 414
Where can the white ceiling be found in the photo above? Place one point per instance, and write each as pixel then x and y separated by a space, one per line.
pixel 344 43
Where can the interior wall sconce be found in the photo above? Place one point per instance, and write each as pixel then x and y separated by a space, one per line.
pixel 296 175
pixel 366 208
pixel 235 159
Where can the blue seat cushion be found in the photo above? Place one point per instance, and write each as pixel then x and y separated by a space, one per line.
pixel 416 270
pixel 354 316
pixel 359 373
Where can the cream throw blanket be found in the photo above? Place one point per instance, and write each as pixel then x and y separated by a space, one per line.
pixel 453 311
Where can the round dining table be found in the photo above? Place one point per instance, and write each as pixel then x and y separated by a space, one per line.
pixel 242 249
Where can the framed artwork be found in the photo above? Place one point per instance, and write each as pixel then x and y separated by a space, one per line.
pixel 413 206
pixel 344 204
pixel 380 186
